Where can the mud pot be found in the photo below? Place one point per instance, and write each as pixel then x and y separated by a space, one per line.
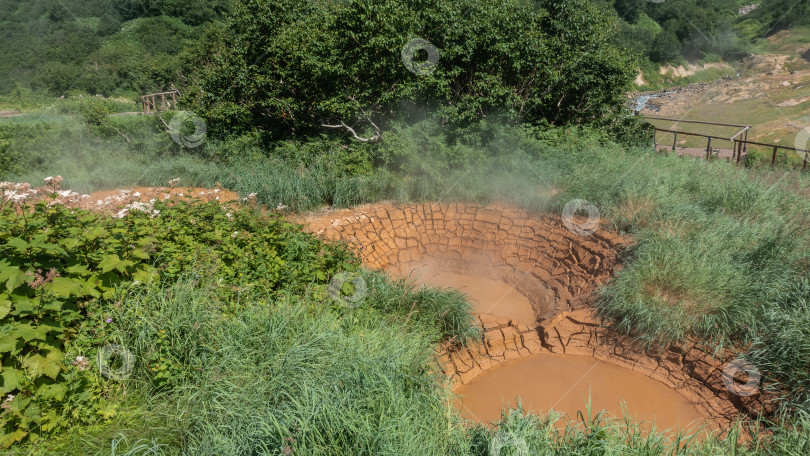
pixel 533 285
pixel 543 382
pixel 567 384
pixel 486 295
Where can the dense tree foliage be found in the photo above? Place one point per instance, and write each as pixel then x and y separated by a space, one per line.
pixel 776 15
pixel 286 67
pixel 98 46
pixel 700 27
pixel 117 47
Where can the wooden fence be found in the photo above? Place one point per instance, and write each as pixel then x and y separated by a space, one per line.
pixel 168 100
pixel 740 141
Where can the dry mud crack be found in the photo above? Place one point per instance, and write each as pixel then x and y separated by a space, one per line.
pixel 558 271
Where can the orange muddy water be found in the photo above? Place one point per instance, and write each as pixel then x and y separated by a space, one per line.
pixel 543 382
pixel 564 383
pixel 487 295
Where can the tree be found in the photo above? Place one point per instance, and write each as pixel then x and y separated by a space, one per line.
pixel 630 10
pixel 288 67
pixel 665 48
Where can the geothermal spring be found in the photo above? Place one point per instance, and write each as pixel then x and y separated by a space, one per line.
pixel 532 283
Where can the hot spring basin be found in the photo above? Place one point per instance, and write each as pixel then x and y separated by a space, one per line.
pixel 564 383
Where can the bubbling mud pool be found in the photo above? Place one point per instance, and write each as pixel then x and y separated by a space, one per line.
pixel 543 382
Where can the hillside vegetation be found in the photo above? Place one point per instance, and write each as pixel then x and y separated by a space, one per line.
pixel 191 328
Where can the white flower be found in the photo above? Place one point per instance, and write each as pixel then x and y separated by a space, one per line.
pixel 136 194
pixel 80 358
pixel 281 207
pixel 230 217
pixel 9 398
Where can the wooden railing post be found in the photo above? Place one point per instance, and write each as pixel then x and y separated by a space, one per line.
pixel 745 144
pixel 773 159
pixel 804 165
pixel 708 148
pixel 675 142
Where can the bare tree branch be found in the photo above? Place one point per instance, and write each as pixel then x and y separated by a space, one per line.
pixel 377 136
pixel 374 138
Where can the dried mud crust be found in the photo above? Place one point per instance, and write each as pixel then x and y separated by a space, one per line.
pixel 553 267
pixel 536 252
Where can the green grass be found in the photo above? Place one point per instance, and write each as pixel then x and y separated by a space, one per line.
pixel 719 254
pixel 325 382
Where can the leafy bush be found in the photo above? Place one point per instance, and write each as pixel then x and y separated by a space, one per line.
pixel 60 266
pixel 285 67
pixel 665 48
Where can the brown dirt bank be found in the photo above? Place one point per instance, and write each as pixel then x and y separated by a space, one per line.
pixel 557 270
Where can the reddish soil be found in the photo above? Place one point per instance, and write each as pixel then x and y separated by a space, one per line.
pixel 117 201
pixel 113 198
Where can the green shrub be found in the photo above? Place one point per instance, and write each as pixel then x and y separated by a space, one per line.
pixel 60 266
pixel 285 67
pixel 665 48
